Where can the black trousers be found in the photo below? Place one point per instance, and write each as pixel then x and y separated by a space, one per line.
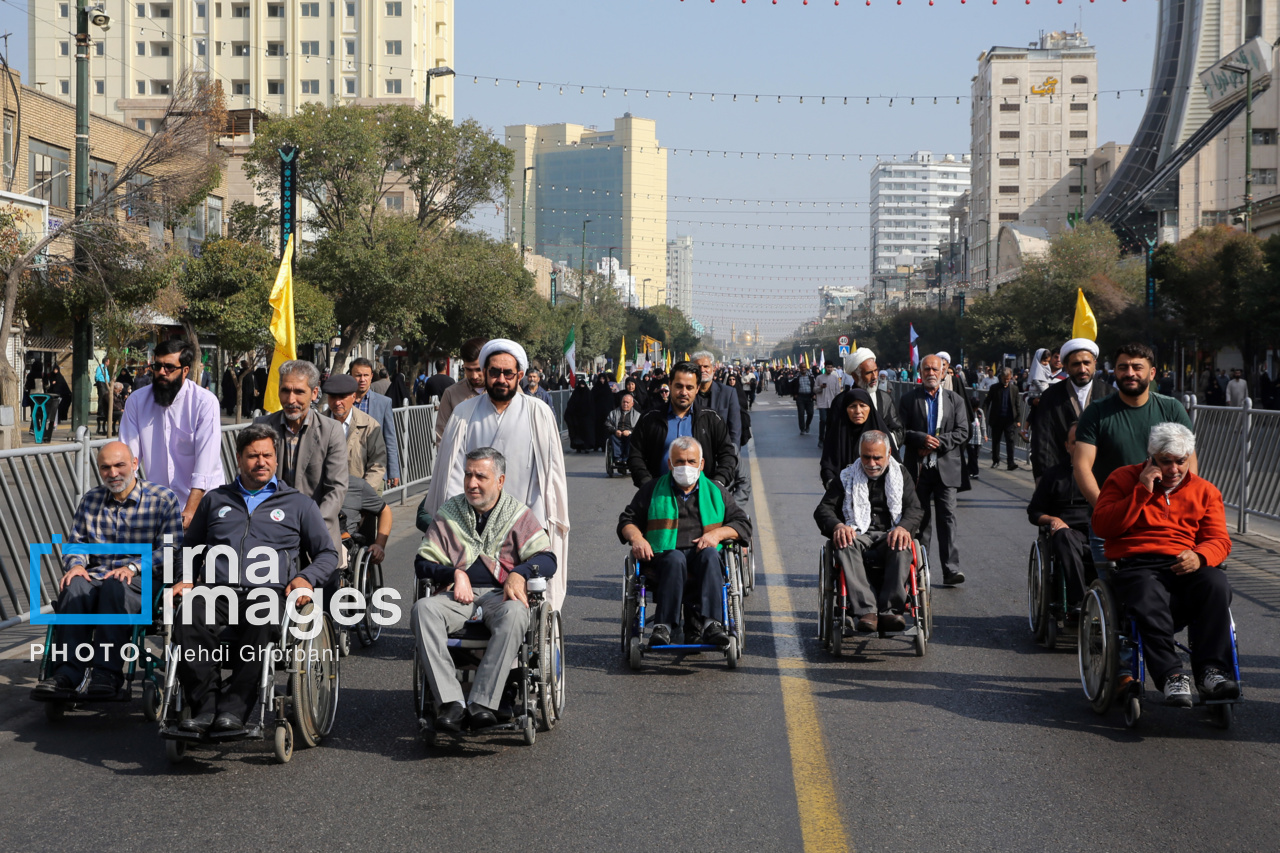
pixel 971 458
pixel 871 551
pixel 804 410
pixel 1162 603
pixel 936 496
pixel 84 596
pixel 1069 548
pixel 698 569
pixel 1006 430
pixel 201 638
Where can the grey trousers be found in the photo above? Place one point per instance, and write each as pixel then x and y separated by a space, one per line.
pixel 436 617
pixel 873 549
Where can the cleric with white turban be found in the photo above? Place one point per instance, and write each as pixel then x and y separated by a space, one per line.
pixel 1061 404
pixel 1075 345
pixel 511 348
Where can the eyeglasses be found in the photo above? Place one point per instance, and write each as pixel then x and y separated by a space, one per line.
pixel 161 367
pixel 499 373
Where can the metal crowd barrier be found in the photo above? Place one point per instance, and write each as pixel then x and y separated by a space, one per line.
pixel 41 486
pixel 1238 450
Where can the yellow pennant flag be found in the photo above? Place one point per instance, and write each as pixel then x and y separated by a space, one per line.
pixel 281 328
pixel 622 361
pixel 1085 324
pixel 686 355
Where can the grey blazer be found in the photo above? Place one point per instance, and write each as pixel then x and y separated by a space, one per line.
pixel 953 432
pixel 321 471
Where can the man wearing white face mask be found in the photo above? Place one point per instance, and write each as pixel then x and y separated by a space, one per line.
pixel 675 525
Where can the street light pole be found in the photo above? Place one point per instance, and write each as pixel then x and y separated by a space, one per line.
pixel 582 283
pixel 987 252
pixel 524 205
pixel 1247 71
pixel 644 290
pixel 441 71
pixel 81 327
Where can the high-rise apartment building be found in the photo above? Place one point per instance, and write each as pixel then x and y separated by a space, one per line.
pixel 909 203
pixel 270 55
pixel 1034 126
pixel 579 192
pixel 680 275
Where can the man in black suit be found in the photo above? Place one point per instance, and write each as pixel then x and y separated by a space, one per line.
pixel 936 430
pixel 1061 404
pixel 1004 412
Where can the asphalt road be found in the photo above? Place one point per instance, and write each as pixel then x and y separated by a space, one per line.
pixel 984 744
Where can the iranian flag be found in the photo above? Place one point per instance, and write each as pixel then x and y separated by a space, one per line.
pixel 571 356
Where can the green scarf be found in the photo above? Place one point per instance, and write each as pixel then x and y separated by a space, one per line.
pixel 661 529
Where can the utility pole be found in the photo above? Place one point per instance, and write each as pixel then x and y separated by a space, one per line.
pixel 524 206
pixel 1080 204
pixel 1247 70
pixel 81 327
pixel 441 71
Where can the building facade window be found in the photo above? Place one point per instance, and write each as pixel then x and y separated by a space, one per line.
pixel 1264 136
pixel 393 87
pixel 1008 189
pixel 310 10
pixel 239 48
pixel 1010 134
pixel 215 217
pixel 64 48
pixel 142 87
pixel 160 87
pixel 393 48
pixel 275 10
pixel 48 166
pixel 1265 177
pixel 349 47
pixel 395 9
pixel 239 11
pixel 310 48
pixel 1080 80
pixel 1010 108
pixel 351 10
pixel 137 196
pixel 202 47
pixel 159 48
pixel 101 174
pixel 7 165
pixel 240 87
pixel 349 85
pixel 1079 134
pixel 64 86
pixel 1079 108
pixel 100 87
pixel 161 10
pixel 1009 161
pixel 275 87
pixel 394 201
pixel 275 48
pixel 310 87
pixel 1009 81
pixel 201 10
pixel 64 10
pixel 1008 217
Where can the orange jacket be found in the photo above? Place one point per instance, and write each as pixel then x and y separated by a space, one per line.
pixel 1134 521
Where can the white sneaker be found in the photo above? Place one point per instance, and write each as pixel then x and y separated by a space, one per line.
pixel 1215 685
pixel 1177 691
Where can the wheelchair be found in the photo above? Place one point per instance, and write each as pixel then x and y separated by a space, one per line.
pixel 303 707
pixel 536 681
pixel 1049 614
pixel 636 597
pixel 363 574
pixel 613 466
pixel 153 670
pixel 834 621
pixel 1103 639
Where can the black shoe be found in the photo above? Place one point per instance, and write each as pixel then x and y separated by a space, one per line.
pixel 952 578
pixel 890 622
pixel 57 685
pixel 995 463
pixel 102 686
pixel 507 704
pixel 480 717
pixel 1013 467
pixel 450 717
pixel 199 723
pixel 228 723
pixel 973 475
pixel 715 634
pixel 660 636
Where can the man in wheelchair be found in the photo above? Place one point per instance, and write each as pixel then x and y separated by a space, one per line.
pixel 871 513
pixel 255 516
pixel 1060 506
pixel 486 544
pixel 1166 529
pixel 674 525
pixel 619 425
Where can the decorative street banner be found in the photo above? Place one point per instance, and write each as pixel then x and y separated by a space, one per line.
pixel 288 193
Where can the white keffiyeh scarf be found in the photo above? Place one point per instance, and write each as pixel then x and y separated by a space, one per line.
pixel 857 495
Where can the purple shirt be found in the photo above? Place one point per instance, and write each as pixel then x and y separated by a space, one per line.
pixel 178 445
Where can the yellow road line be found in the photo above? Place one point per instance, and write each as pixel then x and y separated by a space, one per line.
pixel 821 827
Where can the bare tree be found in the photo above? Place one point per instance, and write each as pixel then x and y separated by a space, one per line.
pixel 172 171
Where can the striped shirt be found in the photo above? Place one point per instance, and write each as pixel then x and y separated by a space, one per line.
pixel 143 518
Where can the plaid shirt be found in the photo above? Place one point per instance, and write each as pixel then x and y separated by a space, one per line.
pixel 144 517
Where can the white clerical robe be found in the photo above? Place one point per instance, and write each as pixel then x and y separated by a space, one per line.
pixel 528 436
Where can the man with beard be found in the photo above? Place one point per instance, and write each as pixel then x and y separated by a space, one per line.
pixel 122 510
pixel 311 450
pixel 866 375
pixel 525 432
pixel 471 386
pixel 1061 404
pixel 175 429
pixel 1113 432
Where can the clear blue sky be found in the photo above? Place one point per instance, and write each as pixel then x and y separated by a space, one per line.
pixel 761 48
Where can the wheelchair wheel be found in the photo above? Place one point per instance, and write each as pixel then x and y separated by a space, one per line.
pixel 283 743
pixel 630 608
pixel 738 627
pixel 367 629
pixel 55 711
pixel 1037 594
pixel 824 596
pixel 314 679
pixel 530 729
pixel 175 751
pixel 1223 715
pixel 731 653
pixel 1132 712
pixel 748 569
pixel 634 656
pixel 1050 631
pixel 1098 648
pixel 151 701
pixel 550 668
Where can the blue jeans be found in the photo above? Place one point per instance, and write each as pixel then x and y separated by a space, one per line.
pixel 621 447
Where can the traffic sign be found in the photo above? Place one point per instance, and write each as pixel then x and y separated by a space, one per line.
pixel 844 350
pixel 844 341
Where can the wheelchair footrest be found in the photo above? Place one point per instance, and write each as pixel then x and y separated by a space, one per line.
pixel 124 694
pixel 248 733
pixel 514 726
pixel 685 647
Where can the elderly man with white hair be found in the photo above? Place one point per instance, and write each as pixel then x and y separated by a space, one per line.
pixel 861 366
pixel 525 433
pixel 1166 528
pixel 1061 404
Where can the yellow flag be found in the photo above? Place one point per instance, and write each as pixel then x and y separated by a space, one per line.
pixel 622 361
pixel 686 355
pixel 1085 324
pixel 281 328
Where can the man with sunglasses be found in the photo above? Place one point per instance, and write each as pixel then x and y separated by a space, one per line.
pixel 174 428
pixel 525 433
